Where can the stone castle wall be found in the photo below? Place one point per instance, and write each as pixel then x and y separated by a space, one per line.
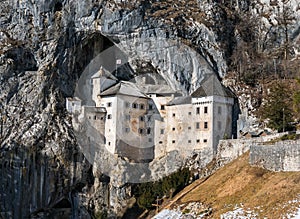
pixel 283 156
pixel 230 149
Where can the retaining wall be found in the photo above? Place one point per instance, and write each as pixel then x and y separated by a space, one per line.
pixel 283 156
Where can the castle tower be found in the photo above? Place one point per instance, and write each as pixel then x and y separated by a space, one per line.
pixel 101 81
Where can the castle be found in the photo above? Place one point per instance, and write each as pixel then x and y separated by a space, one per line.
pixel 141 120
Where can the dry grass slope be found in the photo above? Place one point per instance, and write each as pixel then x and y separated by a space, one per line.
pixel 238 182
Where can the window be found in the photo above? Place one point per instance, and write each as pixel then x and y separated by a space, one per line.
pixel 134 105
pixel 197 125
pixel 173 142
pixel 162 131
pixel 205 125
pixel 73 104
pixel 173 128
pixel 160 142
pixel 205 109
pixel 190 113
pixel 109 116
pixel 162 107
pixel 142 106
pixel 109 104
pixel 141 131
pixel 150 106
pixel 189 128
pixel 149 139
pixel 198 110
pixel 127 130
pixel 89 117
pixel 109 143
pixel 127 104
pixel 141 118
pixel 101 118
pixel 127 117
pixel 162 119
pixel 189 141
pixel 198 140
pixel 205 140
pixel 95 117
pixel 219 110
pixel 219 125
pixel 173 114
pixel 148 131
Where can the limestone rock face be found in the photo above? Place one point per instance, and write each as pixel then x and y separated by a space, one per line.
pixel 44 48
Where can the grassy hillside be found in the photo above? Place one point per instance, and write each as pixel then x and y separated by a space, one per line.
pixel 239 183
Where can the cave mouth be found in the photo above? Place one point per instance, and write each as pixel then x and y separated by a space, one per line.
pixel 58 7
pixel 64 203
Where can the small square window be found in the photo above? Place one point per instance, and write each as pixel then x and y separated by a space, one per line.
pixel 173 129
pixel 127 130
pixel 219 125
pixel 109 116
pixel 142 106
pixel 160 142
pixel 162 131
pixel 198 140
pixel 220 110
pixel 190 113
pixel 134 105
pixel 206 125
pixel 205 140
pixel 162 107
pixel 149 139
pixel 141 131
pixel 127 104
pixel 127 117
pixel 173 142
pixel 109 104
pixel 205 109
pixel 189 141
pixel 189 128
pixel 173 114
pixel 73 104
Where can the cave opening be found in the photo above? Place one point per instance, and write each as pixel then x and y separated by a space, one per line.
pixel 58 6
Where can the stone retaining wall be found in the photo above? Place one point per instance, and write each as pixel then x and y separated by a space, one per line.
pixel 283 156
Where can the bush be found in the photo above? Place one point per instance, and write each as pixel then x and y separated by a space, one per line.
pixel 147 193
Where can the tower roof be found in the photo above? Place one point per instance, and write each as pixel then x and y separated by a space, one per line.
pixel 211 86
pixel 103 73
pixel 125 88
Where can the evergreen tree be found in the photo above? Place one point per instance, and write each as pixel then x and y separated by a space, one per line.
pixel 277 107
pixel 296 101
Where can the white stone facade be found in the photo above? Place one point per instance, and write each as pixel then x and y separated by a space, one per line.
pixel 143 126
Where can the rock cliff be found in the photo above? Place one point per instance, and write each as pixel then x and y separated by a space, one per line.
pixel 45 46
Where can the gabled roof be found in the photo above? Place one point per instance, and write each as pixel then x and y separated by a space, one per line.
pixel 125 88
pixel 157 89
pixel 180 101
pixel 73 99
pixel 211 86
pixel 103 73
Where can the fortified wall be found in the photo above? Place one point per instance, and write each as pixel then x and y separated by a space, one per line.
pixel 282 156
pixel 230 149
